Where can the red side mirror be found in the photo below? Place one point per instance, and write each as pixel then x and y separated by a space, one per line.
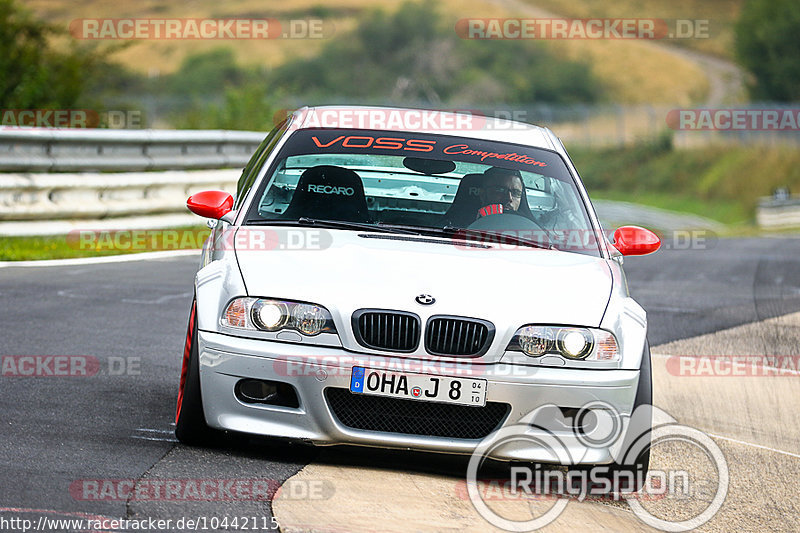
pixel 210 204
pixel 633 240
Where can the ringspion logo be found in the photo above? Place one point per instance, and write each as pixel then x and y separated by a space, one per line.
pixel 626 438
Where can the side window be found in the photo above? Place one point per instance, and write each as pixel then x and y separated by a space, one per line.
pixel 539 192
pixel 250 172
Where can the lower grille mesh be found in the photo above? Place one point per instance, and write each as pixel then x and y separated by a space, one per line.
pixel 412 417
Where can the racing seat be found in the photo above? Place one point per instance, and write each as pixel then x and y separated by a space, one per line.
pixel 329 192
pixel 464 209
pixel 467 201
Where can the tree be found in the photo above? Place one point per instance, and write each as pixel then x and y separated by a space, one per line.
pixel 207 73
pixel 768 45
pixel 244 108
pixel 34 74
pixel 413 55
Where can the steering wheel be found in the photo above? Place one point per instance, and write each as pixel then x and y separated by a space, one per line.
pixel 505 221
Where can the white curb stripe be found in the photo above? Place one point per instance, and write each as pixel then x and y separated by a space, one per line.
pixel 737 441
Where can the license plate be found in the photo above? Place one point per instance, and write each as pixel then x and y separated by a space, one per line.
pixel 424 387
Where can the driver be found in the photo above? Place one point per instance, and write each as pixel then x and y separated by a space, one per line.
pixel 502 192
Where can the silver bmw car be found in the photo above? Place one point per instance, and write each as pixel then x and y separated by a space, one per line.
pixel 411 279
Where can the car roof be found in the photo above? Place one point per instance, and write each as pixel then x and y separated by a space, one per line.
pixel 458 123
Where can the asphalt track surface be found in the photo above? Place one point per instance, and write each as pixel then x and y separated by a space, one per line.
pixel 57 432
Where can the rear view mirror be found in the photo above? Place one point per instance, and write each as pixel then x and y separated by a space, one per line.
pixel 633 240
pixel 210 204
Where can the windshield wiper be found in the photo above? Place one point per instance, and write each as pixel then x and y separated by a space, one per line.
pixel 451 231
pixel 333 224
pixel 448 231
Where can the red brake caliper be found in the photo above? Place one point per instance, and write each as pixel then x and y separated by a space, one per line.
pixel 187 352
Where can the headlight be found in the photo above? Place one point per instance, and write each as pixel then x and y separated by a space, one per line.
pixel 265 314
pixel 269 315
pixel 569 342
pixel 308 318
pixel 535 340
pixel 575 343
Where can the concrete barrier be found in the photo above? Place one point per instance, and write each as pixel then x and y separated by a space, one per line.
pixel 55 180
pixel 48 204
pixel 777 213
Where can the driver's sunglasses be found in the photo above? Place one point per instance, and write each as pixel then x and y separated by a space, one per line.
pixel 515 193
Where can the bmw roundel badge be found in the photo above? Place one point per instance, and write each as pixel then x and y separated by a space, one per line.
pixel 425 299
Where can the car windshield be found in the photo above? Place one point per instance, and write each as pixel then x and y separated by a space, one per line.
pixel 427 184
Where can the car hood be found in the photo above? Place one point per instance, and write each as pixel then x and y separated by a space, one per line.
pixel 349 270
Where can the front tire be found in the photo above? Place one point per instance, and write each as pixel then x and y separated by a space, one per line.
pixel 190 420
pixel 629 472
pixel 636 445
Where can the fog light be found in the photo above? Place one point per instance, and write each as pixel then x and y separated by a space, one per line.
pixel 266 392
pixel 256 390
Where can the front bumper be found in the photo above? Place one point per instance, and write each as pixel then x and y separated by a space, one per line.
pixel 225 359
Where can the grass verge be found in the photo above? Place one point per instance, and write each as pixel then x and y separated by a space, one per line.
pixel 100 243
pixel 727 212
pixel 723 183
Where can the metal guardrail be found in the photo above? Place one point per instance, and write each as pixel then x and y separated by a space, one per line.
pixel 53 180
pixel 76 150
